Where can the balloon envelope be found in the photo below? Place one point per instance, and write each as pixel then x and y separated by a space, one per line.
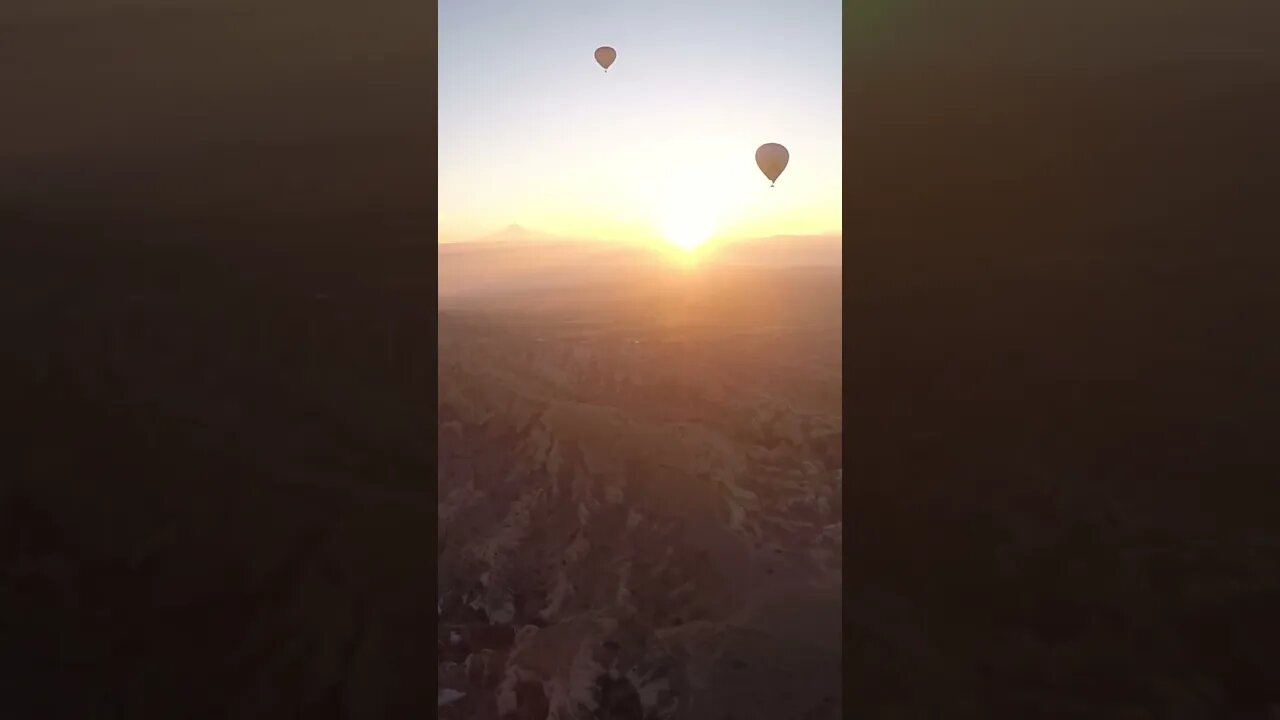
pixel 772 159
pixel 605 56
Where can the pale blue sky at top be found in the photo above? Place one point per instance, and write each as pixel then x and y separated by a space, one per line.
pixel 533 132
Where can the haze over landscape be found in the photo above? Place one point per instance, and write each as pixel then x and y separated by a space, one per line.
pixel 640 429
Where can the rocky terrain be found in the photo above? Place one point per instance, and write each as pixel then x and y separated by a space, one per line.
pixel 640 493
pixel 216 499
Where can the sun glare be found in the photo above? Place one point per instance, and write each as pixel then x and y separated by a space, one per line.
pixel 687 226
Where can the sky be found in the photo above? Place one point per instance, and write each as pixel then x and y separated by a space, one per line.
pixel 533 132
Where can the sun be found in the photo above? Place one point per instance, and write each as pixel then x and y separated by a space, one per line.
pixel 688 226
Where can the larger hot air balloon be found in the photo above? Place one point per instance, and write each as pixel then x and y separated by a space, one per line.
pixel 605 56
pixel 772 159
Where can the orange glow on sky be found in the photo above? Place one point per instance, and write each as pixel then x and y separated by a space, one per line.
pixel 659 149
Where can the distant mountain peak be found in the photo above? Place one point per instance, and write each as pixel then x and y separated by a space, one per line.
pixel 515 231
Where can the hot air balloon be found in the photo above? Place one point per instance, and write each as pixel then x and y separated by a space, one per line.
pixel 772 159
pixel 605 56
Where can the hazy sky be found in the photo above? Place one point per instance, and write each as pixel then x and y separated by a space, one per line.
pixel 533 132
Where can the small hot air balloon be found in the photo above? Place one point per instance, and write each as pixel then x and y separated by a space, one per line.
pixel 605 56
pixel 772 159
